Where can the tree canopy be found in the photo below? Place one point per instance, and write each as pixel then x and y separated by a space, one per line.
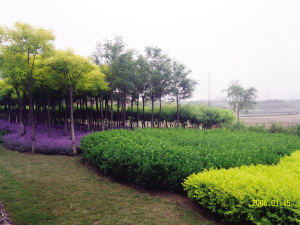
pixel 240 98
pixel 37 75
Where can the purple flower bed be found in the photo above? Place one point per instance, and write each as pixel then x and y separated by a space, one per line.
pixel 58 144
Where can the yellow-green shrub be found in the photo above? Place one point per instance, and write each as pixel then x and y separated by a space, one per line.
pixel 231 192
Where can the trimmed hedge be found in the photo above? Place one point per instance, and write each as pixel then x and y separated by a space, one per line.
pixel 163 158
pixel 262 194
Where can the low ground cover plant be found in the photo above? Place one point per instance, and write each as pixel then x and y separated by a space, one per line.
pixel 163 158
pixel 262 194
pixel 275 128
pixel 3 133
pixel 58 144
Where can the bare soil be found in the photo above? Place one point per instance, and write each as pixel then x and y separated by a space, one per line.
pixel 285 120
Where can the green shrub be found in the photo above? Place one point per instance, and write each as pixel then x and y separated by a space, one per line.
pixel 277 128
pixel 258 128
pixel 295 130
pixel 261 194
pixel 238 125
pixel 163 158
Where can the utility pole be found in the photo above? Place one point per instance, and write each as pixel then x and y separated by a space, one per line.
pixel 209 100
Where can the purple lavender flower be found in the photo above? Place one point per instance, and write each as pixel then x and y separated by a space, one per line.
pixel 58 144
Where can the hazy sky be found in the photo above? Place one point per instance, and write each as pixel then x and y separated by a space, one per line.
pixel 256 41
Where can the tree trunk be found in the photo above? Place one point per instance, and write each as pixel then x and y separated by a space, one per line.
pixel 22 131
pixel 24 112
pixel 17 112
pixel 122 113
pixel 152 122
pixel 66 118
pixel 77 114
pixel 82 111
pixel 45 117
pixel 59 119
pixel 87 114
pixel 177 101
pixel 124 116
pixel 36 113
pixel 101 112
pixel 49 121
pixel 9 116
pixel 131 115
pixel 91 122
pixel 138 112
pixel 52 113
pixel 33 141
pixel 237 111
pixel 111 110
pixel 72 123
pixel 118 113
pixel 143 124
pixel 97 113
pixel 159 124
pixel 105 110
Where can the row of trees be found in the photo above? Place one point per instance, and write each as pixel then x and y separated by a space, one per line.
pixel 151 77
pixel 32 69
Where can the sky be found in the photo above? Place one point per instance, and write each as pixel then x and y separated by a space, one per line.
pixel 254 41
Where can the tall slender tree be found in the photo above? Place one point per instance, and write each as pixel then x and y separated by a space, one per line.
pixel 141 80
pixel 181 86
pixel 69 69
pixel 108 53
pixel 159 73
pixel 26 42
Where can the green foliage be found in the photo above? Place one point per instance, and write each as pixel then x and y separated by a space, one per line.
pixel 277 128
pixel 295 129
pixel 205 116
pixel 22 44
pixel 238 125
pixel 240 98
pixel 261 194
pixel 199 115
pixel 258 128
pixel 163 158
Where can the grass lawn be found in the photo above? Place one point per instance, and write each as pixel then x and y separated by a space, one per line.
pixel 42 189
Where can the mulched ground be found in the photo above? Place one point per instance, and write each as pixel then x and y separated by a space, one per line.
pixel 4 217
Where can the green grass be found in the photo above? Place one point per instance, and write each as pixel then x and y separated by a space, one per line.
pixel 41 189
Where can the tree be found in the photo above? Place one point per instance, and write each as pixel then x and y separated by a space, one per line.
pixel 240 98
pixel 141 80
pixel 94 86
pixel 11 72
pixel 182 87
pixel 109 53
pixel 7 96
pixel 159 74
pixel 20 46
pixel 68 70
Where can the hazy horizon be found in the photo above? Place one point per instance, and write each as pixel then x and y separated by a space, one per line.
pixel 255 42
